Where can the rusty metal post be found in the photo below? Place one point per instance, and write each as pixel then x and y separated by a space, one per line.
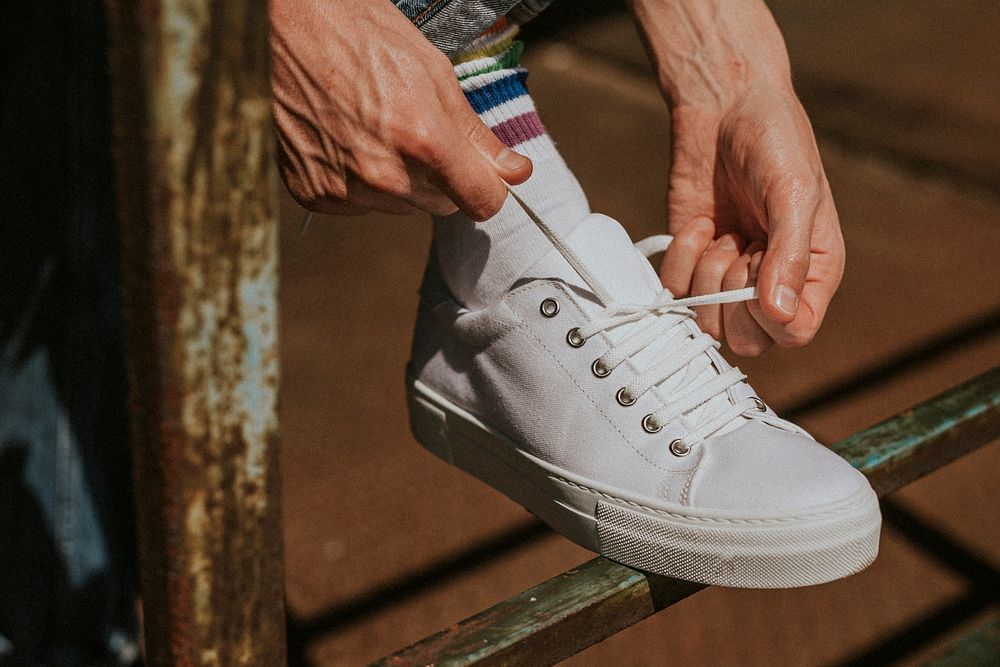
pixel 198 207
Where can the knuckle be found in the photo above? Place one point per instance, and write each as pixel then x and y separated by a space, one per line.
pixel 421 140
pixel 800 184
pixel 736 275
pixel 748 346
pixel 797 263
pixel 477 131
pixel 487 207
pixel 315 188
pixel 304 195
pixel 708 320
pixel 715 265
pixel 688 242
pixel 331 186
pixel 798 337
pixel 482 202
pixel 384 177
pixel 712 329
pixel 439 65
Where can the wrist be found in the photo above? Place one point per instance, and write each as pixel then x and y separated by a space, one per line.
pixel 710 55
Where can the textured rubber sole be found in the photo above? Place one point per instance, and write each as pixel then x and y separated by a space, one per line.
pixel 707 547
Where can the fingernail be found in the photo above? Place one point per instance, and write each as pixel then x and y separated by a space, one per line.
pixel 510 160
pixel 786 299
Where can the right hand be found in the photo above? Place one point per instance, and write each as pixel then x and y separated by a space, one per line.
pixel 370 116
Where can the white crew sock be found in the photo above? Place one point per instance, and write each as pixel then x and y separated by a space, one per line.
pixel 481 260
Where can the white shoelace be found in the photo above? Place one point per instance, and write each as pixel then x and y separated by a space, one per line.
pixel 664 317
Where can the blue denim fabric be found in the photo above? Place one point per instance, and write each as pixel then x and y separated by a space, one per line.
pixel 67 563
pixel 451 24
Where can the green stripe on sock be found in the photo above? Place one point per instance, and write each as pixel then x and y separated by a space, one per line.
pixel 509 59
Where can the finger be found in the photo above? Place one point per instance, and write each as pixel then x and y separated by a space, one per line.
pixel 743 334
pixel 422 194
pixel 791 210
pixel 803 328
pixel 362 196
pixel 683 253
pixel 329 207
pixel 432 201
pixel 799 331
pixel 459 170
pixel 707 279
pixel 825 271
pixel 468 158
pixel 510 165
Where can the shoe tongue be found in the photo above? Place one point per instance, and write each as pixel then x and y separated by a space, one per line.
pixel 608 253
pixel 606 250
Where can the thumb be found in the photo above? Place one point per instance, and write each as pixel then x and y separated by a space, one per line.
pixel 510 165
pixel 785 265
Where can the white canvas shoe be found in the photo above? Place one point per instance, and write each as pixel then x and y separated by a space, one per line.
pixel 588 395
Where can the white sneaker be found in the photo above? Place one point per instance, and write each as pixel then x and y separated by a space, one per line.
pixel 588 395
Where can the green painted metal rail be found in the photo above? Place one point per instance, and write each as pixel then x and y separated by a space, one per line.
pixel 979 647
pixel 587 604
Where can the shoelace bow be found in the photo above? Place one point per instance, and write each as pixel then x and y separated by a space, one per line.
pixel 666 316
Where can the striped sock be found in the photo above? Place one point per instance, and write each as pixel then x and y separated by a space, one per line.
pixel 480 261
pixel 493 81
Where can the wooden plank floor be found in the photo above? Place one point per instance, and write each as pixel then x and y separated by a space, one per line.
pixel 367 509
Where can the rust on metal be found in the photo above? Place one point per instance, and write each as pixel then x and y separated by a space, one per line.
pixel 198 205
pixel 564 615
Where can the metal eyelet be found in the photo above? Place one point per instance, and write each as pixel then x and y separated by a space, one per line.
pixel 649 424
pixel 625 398
pixel 678 448
pixel 549 307
pixel 760 404
pixel 599 369
pixel 574 338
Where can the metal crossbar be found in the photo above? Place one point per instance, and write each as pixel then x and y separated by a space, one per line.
pixel 587 604
pixel 979 647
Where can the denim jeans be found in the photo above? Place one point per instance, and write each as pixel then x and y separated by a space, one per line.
pixel 451 24
pixel 67 564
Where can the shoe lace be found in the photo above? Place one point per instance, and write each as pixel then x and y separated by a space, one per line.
pixel 683 346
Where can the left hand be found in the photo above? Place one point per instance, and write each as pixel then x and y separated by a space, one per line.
pixel 749 201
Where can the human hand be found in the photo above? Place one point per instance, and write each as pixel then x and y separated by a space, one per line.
pixel 749 202
pixel 369 116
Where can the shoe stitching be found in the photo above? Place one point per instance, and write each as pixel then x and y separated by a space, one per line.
pixel 705 519
pixel 687 486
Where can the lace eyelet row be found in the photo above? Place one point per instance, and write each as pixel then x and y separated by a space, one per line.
pixel 550 308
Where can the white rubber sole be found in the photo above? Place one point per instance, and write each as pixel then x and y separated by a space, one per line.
pixel 704 546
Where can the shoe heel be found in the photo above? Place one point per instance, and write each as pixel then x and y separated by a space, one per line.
pixel 430 427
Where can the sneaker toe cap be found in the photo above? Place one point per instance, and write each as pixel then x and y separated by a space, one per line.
pixel 763 470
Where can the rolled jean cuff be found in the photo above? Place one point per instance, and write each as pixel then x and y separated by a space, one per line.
pixel 450 25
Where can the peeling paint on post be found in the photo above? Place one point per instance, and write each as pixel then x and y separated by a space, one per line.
pixel 198 204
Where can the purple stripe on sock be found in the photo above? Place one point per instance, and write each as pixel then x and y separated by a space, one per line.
pixel 519 129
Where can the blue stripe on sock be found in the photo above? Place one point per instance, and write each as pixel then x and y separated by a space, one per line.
pixel 497 92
